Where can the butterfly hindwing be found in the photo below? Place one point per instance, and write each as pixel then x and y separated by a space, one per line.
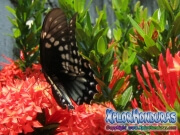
pixel 68 73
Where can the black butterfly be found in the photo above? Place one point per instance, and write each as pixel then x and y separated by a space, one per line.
pixel 68 73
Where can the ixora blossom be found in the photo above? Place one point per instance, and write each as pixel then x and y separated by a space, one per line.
pixel 85 120
pixel 24 96
pixel 162 93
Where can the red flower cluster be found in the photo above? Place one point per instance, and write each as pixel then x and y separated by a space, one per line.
pixel 24 95
pixel 163 93
pixel 84 120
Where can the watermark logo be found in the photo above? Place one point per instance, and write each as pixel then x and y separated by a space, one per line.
pixel 137 120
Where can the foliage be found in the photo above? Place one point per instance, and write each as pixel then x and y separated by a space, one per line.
pixel 26 29
pixel 136 39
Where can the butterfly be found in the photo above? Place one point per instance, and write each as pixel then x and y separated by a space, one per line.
pixel 69 74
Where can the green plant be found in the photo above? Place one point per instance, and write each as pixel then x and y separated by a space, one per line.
pixel 26 29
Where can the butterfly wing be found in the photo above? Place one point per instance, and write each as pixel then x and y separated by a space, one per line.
pixel 68 73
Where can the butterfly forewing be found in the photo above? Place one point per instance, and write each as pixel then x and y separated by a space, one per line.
pixel 68 73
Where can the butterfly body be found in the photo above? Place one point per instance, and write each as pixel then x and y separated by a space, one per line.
pixel 68 73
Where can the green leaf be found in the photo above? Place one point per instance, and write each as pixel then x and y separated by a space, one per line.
pixel 168 107
pixel 98 22
pixel 97 36
pixel 176 25
pixel 117 34
pixel 127 69
pixel 108 75
pixel 106 67
pixel 125 4
pixel 108 56
pixel 78 26
pixel 79 5
pixel 16 32
pixel 125 55
pixel 93 56
pixel 101 46
pixel 152 50
pixel 164 4
pixel 125 98
pixel 162 20
pixel 88 20
pixel 148 41
pixel 116 4
pixel 175 4
pixel 13 21
pixel 177 106
pixel 117 87
pixel 81 36
pixel 137 6
pixel 11 10
pixel 156 24
pixel 132 58
pixel 136 26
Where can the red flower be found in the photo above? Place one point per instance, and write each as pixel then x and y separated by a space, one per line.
pixel 23 95
pixel 164 90
pixel 117 74
pixel 84 120
pixel 163 93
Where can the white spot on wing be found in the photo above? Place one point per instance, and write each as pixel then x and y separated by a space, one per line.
pixel 56 43
pixel 47 45
pixel 52 39
pixel 74 52
pixel 67 56
pixel 55 22
pixel 76 61
pixel 67 64
pixel 60 48
pixel 59 26
pixel 91 83
pixel 72 43
pixel 71 68
pixel 71 21
pixel 63 63
pixel 81 74
pixel 50 19
pixel 64 66
pixel 66 47
pixel 43 34
pixel 63 39
pixel 76 69
pixel 48 36
pixel 85 65
pixel 63 56
pixel 81 79
pixel 90 74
